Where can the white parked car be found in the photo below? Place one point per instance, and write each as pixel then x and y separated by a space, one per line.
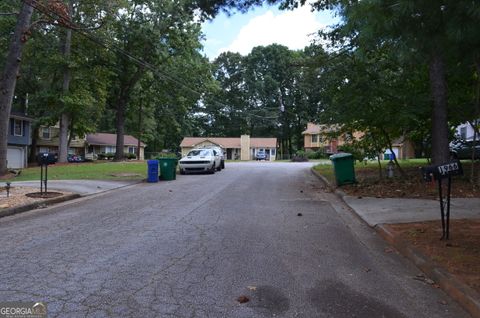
pixel 200 160
pixel 220 153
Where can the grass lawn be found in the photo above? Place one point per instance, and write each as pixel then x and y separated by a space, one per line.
pixel 93 171
pixel 370 166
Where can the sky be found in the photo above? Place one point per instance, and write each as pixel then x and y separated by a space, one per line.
pixel 263 26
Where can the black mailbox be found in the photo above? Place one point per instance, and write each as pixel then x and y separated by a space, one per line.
pixel 42 158
pixel 437 173
pixel 442 171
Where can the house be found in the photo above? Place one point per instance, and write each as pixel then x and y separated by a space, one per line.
pixel 48 141
pixel 102 143
pixel 18 140
pixel 243 147
pixel 326 138
pixel 402 148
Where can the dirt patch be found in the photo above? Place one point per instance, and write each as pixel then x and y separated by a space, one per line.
pixel 44 195
pixel 460 255
pixel 18 197
pixel 412 186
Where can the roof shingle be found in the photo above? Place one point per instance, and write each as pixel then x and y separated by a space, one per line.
pixel 104 139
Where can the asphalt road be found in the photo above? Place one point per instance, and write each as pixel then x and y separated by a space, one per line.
pixel 191 247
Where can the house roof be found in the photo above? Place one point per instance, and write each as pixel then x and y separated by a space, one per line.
pixel 226 142
pixel 263 142
pixel 313 129
pixel 20 116
pixel 104 139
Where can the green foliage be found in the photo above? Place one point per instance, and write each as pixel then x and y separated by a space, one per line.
pixel 130 156
pixel 166 155
pixel 354 149
pixel 106 156
pixel 319 154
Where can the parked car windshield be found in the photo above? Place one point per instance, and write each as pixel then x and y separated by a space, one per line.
pixel 201 152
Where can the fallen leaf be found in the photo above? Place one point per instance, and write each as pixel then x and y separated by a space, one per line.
pixel 243 299
pixel 443 302
pixel 4 206
pixel 252 287
pixel 299 214
pixel 388 250
pixel 367 270
pixel 429 281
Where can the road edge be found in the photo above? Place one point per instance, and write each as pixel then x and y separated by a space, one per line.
pixel 468 298
pixel 37 205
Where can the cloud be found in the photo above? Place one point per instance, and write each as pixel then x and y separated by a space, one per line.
pixel 290 28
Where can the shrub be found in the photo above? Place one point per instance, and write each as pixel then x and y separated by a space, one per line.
pixel 130 155
pixel 319 154
pixel 356 152
pixel 300 156
pixel 166 155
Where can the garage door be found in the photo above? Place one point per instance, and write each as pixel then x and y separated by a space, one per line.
pixel 15 157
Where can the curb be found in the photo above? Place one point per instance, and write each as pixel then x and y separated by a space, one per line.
pixel 37 205
pixel 468 298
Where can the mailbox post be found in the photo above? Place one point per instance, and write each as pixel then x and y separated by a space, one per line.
pixel 440 172
pixel 43 161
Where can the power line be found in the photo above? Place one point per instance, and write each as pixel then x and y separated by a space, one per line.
pixel 112 47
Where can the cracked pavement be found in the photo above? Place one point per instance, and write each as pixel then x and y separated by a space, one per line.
pixel 191 247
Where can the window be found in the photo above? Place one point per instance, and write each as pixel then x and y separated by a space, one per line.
pixel 463 133
pixel 132 150
pixel 18 127
pixel 45 133
pixel 273 152
pixel 110 149
pixel 314 138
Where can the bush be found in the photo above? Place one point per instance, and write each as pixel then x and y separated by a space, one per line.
pixel 319 154
pixel 357 153
pixel 300 156
pixel 130 156
pixel 106 156
pixel 166 155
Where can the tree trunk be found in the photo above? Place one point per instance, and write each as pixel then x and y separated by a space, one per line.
pixel 390 147
pixel 32 157
pixel 380 171
pixel 65 117
pixel 438 86
pixel 140 129
pixel 9 79
pixel 120 128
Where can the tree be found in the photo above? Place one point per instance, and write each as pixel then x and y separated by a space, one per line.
pixel 9 77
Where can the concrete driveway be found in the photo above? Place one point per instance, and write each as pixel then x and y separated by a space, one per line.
pixel 191 247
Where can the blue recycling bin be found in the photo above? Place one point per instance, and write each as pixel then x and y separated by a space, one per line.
pixel 152 171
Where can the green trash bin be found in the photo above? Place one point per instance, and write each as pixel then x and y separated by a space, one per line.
pixel 343 168
pixel 168 168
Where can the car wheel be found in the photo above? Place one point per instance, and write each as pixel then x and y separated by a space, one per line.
pixel 219 167
pixel 212 170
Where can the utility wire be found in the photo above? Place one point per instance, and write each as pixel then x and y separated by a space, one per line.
pixel 112 47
